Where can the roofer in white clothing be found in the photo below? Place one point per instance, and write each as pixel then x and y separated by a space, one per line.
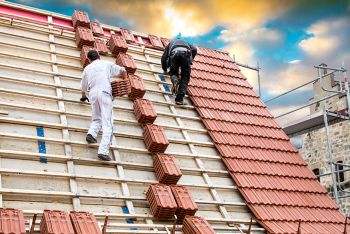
pixel 96 81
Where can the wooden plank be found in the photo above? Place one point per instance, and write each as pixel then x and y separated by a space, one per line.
pixel 87 161
pixel 116 133
pixel 65 131
pixel 121 179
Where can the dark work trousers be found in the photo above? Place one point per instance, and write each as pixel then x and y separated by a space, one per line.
pixel 181 60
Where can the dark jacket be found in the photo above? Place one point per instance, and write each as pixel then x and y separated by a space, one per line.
pixel 174 44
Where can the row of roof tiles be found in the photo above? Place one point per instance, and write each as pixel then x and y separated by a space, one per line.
pixel 266 155
pixel 214 54
pixel 226 96
pixel 268 168
pixel 288 213
pixel 252 141
pixel 232 117
pixel 244 129
pixel 216 62
pixel 254 181
pixel 223 70
pixel 287 198
pixel 305 227
pixel 231 107
pixel 198 83
pixel 219 77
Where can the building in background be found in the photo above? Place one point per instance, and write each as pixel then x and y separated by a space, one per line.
pixel 314 143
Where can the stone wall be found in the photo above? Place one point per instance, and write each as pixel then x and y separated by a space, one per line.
pixel 314 143
pixel 314 151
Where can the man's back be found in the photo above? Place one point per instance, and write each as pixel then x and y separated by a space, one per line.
pixel 96 76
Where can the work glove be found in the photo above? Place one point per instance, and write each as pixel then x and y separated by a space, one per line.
pixel 84 98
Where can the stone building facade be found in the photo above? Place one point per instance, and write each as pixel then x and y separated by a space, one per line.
pixel 314 143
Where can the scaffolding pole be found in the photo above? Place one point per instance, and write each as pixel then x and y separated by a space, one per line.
pixel 330 155
pixel 257 69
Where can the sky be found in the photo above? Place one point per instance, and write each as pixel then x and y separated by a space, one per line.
pixel 286 37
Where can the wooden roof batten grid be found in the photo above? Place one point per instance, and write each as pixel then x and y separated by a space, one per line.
pixel 171 106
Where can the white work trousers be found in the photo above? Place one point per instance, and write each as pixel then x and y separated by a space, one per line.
pixel 102 116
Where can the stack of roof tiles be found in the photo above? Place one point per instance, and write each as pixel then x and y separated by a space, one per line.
pixel 100 46
pixel 84 222
pixel 268 171
pixel 80 19
pixel 184 200
pixel 165 41
pixel 12 221
pixel 120 87
pixel 55 222
pixel 196 225
pixel 167 171
pixel 144 111
pixel 96 29
pixel 137 87
pixel 83 36
pixel 155 139
pixel 84 60
pixel 117 44
pixel 127 61
pixel 156 42
pixel 127 34
pixel 161 200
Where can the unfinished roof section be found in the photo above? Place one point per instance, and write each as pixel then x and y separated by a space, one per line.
pixel 272 177
pixel 45 161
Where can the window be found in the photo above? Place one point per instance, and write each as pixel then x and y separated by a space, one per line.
pixel 339 173
pixel 316 171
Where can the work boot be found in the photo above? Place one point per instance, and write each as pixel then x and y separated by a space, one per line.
pixel 90 139
pixel 104 157
pixel 179 103
pixel 175 81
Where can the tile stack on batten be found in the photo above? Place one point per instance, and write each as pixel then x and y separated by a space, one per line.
pixel 12 221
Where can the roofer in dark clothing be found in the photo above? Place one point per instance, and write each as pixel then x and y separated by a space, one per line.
pixel 179 54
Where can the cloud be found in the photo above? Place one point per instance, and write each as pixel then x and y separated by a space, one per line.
pixel 324 41
pixel 190 18
pixel 329 44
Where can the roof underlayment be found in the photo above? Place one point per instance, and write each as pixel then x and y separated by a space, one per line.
pixel 280 190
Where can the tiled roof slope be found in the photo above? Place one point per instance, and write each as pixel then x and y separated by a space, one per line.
pixel 270 174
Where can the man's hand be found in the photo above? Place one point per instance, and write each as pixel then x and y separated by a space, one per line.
pixel 165 72
pixel 84 98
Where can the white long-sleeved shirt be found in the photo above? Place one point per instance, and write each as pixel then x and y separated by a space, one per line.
pixel 97 75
